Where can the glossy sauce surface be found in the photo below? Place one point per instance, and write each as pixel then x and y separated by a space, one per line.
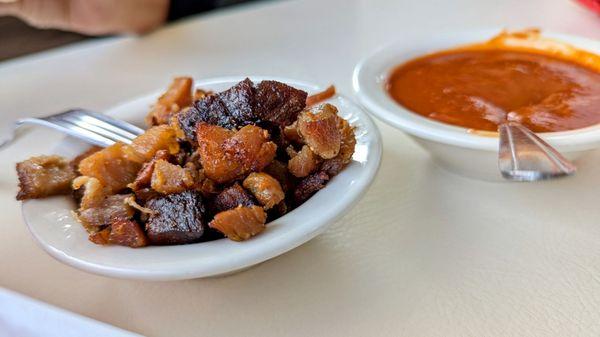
pixel 480 89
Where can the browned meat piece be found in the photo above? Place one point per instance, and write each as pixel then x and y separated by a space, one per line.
pixel 320 96
pixel 333 166
pixel 232 197
pixel 228 155
pixel 110 209
pixel 278 170
pixel 44 176
pixel 145 194
pixel 303 163
pixel 240 223
pixel 231 109
pixel 291 133
pixel 270 102
pixel 179 219
pixel 309 186
pixel 177 96
pixel 100 237
pixel 318 128
pixel 144 176
pixel 111 167
pixel 201 94
pixel 144 147
pixel 168 178
pixel 278 103
pixel 75 162
pixel 90 191
pixel 127 233
pixel 265 189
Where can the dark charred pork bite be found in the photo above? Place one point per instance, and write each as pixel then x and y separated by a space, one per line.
pixel 244 104
pixel 232 197
pixel 177 219
pixel 310 185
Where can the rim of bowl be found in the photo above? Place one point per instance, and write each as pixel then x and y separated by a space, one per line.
pixel 371 74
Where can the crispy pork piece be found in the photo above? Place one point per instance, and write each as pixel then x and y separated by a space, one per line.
pixel 168 178
pixel 265 189
pixel 100 237
pixel 111 167
pixel 127 233
pixel 143 195
pixel 231 109
pixel 278 103
pixel 318 128
pixel 201 94
pixel 291 133
pixel 227 155
pixel 144 176
pixel 75 162
pixel 92 191
pixel 278 170
pixel 303 163
pixel 178 219
pixel 232 197
pixel 110 209
pixel 144 147
pixel 320 96
pixel 240 223
pixel 44 176
pixel 269 102
pixel 310 185
pixel 178 95
pixel 334 165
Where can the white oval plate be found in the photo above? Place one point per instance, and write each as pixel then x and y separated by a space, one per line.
pixel 58 233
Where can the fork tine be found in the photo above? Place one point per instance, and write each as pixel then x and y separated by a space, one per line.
pixel 98 126
pixel 79 125
pixel 122 125
pixel 70 129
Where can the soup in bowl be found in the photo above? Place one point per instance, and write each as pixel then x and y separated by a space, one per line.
pixel 451 93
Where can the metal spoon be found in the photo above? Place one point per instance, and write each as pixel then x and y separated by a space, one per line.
pixel 523 156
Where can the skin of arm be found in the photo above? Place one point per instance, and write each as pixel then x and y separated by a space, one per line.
pixel 92 17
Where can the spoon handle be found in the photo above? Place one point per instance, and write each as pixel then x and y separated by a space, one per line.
pixel 523 156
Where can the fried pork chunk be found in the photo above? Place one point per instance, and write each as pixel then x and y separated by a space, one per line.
pixel 240 223
pixel 334 165
pixel 178 96
pixel 232 197
pixel 144 176
pixel 127 233
pixel 177 219
pixel 318 128
pixel 168 178
pixel 309 186
pixel 44 176
pixel 111 167
pixel 144 147
pixel 269 102
pixel 303 163
pixel 265 189
pixel 227 155
pixel 98 208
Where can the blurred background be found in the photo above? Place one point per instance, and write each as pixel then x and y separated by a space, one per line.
pixel 17 38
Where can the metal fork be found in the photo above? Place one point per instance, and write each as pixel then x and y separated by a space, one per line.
pixel 89 126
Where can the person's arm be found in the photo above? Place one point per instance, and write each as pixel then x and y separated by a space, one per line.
pixel 93 17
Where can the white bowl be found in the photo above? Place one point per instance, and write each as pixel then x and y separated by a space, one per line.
pixel 470 154
pixel 52 225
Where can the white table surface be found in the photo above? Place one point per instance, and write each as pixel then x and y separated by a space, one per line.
pixel 425 253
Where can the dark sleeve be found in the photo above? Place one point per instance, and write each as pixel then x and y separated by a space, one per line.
pixel 181 8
